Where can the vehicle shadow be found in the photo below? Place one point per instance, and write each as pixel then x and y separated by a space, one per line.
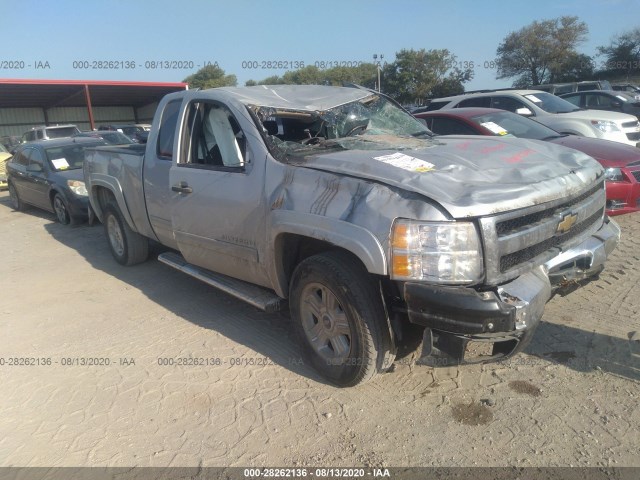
pixel 587 351
pixel 270 335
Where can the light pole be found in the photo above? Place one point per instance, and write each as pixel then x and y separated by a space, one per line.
pixel 377 64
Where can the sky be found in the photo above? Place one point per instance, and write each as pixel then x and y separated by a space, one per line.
pixel 167 40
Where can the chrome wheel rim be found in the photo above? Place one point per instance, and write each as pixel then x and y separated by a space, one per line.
pixel 61 211
pixel 325 323
pixel 115 236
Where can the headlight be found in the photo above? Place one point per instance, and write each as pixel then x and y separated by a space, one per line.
pixel 613 175
pixel 77 187
pixel 605 126
pixel 437 252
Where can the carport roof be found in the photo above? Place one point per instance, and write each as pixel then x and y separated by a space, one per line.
pixel 22 93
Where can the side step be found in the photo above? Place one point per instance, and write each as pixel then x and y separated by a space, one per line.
pixel 252 294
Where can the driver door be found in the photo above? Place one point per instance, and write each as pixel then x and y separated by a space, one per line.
pixel 218 211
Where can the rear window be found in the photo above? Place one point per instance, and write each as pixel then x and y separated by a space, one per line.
pixel 61 132
pixel 433 106
pixel 475 102
pixel 168 129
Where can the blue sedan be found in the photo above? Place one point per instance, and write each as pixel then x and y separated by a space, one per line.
pixel 48 174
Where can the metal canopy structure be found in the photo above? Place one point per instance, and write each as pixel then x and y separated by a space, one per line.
pixel 47 94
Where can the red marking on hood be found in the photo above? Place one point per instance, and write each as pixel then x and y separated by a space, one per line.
pixel 493 148
pixel 519 156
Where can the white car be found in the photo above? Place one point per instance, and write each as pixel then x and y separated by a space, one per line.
pixel 552 111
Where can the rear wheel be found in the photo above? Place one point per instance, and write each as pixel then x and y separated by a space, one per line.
pixel 339 319
pixel 16 203
pixel 128 247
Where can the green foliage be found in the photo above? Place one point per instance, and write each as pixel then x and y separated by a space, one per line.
pixel 542 51
pixel 364 74
pixel 621 56
pixel 417 75
pixel 211 76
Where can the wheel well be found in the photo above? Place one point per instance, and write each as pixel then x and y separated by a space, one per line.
pixel 52 193
pixel 104 196
pixel 291 249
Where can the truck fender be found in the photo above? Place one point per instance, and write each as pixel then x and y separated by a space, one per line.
pixel 113 185
pixel 353 238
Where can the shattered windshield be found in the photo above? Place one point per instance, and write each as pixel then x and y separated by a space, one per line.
pixel 371 123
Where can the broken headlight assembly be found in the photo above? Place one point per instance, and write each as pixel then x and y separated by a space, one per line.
pixel 436 252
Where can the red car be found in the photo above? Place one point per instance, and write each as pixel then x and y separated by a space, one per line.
pixel 621 162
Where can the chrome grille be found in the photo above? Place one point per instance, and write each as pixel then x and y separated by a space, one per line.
pixel 629 124
pixel 530 237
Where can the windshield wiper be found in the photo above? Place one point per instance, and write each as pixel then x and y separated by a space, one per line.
pixel 551 137
pixel 419 134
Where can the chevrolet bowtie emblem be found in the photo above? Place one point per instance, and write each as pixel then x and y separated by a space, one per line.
pixel 567 222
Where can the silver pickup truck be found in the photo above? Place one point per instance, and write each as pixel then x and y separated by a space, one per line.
pixel 374 231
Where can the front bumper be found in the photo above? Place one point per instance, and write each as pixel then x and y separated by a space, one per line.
pixel 502 319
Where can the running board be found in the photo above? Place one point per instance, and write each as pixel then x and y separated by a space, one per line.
pixel 252 294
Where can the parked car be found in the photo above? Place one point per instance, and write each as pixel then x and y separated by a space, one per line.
pixel 621 162
pixel 111 137
pixel 10 142
pixel 48 174
pixel 605 100
pixel 341 202
pixel 627 87
pixel 552 111
pixel 47 133
pixel 5 155
pixel 560 88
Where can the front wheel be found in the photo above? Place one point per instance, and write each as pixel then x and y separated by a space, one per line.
pixel 339 318
pixel 128 247
pixel 62 211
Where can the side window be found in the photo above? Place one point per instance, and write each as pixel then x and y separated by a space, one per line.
pixel 213 138
pixel 164 148
pixel 597 100
pixel 574 99
pixel 36 158
pixel 507 103
pixel 40 134
pixel 475 102
pixel 20 158
pixel 451 126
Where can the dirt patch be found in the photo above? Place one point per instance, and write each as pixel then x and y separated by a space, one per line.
pixel 472 414
pixel 527 388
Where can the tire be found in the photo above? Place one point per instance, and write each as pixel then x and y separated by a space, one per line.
pixel 127 246
pixel 339 318
pixel 61 210
pixel 16 203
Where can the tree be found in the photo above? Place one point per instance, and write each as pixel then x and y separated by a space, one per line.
pixel 541 51
pixel 211 76
pixel 417 75
pixel 622 55
pixel 363 74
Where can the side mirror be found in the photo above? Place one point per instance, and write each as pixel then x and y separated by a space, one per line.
pixel 34 167
pixel 524 111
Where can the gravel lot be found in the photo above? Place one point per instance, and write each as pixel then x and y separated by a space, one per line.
pixel 570 400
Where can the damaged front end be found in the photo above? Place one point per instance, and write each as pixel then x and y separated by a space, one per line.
pixel 464 325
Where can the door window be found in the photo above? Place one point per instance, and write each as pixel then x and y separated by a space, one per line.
pixel 36 159
pixel 507 103
pixel 213 138
pixel 484 102
pixel 451 126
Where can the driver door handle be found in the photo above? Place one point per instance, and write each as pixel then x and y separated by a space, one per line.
pixel 182 187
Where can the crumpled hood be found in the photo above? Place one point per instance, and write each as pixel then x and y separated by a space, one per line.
pixel 472 176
